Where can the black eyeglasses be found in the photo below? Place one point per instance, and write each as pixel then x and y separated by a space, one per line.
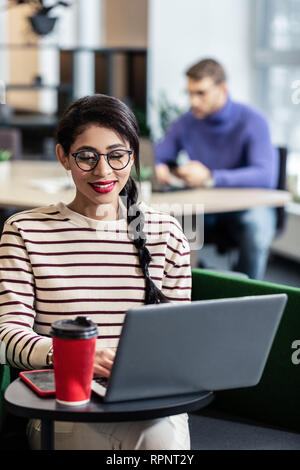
pixel 87 160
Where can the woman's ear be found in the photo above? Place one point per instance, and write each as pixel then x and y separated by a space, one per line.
pixel 62 157
pixel 132 158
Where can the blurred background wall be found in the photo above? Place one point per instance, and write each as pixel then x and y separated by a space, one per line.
pixel 139 50
pixel 181 33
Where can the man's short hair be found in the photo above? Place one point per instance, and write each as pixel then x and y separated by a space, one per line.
pixel 207 68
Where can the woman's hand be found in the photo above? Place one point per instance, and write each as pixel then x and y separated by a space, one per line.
pixel 104 359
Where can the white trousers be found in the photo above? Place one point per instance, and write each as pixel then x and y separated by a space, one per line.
pixel 170 433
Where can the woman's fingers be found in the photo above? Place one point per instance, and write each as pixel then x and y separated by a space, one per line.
pixel 104 359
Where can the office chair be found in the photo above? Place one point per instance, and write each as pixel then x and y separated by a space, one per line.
pixel 221 235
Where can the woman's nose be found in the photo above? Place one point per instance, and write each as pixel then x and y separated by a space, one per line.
pixel 103 167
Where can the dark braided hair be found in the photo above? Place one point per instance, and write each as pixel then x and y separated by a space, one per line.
pixel 109 112
pixel 153 295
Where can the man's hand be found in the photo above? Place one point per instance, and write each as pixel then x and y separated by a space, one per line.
pixel 194 173
pixel 104 359
pixel 163 173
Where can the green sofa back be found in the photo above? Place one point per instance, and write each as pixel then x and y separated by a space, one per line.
pixel 275 400
pixel 4 382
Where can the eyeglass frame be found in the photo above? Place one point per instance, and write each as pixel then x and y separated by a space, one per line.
pixel 201 93
pixel 98 155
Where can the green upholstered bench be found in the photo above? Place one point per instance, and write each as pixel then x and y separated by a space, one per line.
pixel 12 428
pixel 4 382
pixel 276 399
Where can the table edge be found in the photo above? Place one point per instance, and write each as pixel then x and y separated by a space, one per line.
pixel 68 414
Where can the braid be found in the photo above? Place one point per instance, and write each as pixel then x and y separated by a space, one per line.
pixel 153 295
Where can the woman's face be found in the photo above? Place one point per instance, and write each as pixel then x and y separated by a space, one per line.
pixel 97 191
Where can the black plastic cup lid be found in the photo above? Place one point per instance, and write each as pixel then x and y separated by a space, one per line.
pixel 80 328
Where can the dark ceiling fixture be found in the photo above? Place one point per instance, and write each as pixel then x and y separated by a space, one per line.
pixel 41 23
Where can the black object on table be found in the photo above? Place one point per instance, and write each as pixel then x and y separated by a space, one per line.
pixel 22 401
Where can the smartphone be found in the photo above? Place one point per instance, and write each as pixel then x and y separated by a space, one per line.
pixel 41 381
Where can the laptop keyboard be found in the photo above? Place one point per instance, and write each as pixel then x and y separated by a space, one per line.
pixel 99 386
pixel 101 381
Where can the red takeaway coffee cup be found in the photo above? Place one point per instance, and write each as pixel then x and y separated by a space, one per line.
pixel 74 344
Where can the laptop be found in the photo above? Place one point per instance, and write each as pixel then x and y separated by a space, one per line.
pixel 147 158
pixel 209 345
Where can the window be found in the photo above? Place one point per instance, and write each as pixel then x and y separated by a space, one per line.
pixel 277 62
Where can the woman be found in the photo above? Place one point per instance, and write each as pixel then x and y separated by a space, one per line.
pixel 99 255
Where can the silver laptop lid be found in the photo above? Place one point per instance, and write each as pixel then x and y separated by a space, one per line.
pixel 212 345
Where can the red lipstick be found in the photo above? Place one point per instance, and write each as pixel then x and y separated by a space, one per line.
pixel 103 186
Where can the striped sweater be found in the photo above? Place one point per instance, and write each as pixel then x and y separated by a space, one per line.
pixel 57 264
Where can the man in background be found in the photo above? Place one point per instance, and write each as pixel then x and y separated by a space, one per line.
pixel 228 145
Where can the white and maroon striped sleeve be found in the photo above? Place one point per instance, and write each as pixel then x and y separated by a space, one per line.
pixel 177 279
pixel 23 347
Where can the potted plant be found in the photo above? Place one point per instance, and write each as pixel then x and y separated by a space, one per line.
pixel 144 183
pixel 167 111
pixel 41 23
pixel 4 164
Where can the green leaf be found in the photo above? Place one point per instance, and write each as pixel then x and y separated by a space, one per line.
pixel 5 155
pixel 145 173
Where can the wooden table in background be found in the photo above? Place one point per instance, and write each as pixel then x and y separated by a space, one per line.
pixel 17 192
